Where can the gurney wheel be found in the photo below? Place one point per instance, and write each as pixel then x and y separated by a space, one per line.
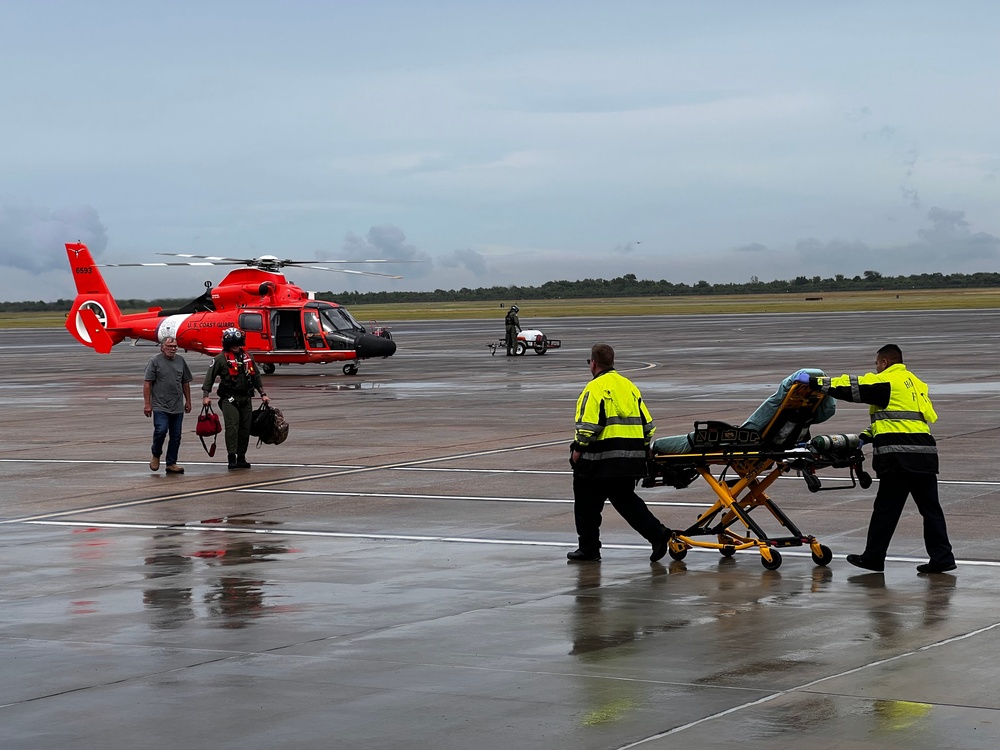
pixel 727 551
pixel 678 554
pixel 826 557
pixel 774 563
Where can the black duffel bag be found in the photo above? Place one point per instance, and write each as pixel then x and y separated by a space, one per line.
pixel 268 425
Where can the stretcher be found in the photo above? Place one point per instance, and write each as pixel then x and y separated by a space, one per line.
pixel 741 463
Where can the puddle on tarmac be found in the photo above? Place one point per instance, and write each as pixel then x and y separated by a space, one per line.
pixel 239 521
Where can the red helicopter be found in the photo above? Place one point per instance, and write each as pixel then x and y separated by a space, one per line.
pixel 283 324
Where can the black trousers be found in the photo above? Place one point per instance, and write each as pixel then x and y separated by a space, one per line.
pixel 893 489
pixel 589 495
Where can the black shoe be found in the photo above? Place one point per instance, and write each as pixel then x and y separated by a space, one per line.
pixel 860 562
pixel 232 461
pixel 241 462
pixel 578 555
pixel 935 568
pixel 663 546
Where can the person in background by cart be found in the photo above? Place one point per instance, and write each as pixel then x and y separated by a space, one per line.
pixel 238 379
pixel 513 327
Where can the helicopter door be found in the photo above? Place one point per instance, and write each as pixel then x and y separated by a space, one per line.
pixel 313 329
pixel 287 330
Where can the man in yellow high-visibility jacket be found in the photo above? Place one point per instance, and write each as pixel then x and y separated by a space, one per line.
pixel 611 443
pixel 904 455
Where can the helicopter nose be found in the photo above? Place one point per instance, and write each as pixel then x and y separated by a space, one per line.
pixel 369 346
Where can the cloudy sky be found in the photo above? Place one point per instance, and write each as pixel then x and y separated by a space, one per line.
pixel 498 141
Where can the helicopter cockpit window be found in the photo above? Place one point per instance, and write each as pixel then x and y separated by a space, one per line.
pixel 350 317
pixel 338 319
pixel 251 321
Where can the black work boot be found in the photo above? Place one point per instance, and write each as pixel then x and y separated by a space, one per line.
pixel 241 461
pixel 232 461
pixel 581 555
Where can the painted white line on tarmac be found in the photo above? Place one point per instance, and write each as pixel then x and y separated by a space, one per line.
pixel 477 498
pixel 456 470
pixel 186 463
pixel 806 685
pixel 495 541
pixel 273 482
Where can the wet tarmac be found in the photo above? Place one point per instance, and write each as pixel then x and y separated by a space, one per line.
pixel 394 575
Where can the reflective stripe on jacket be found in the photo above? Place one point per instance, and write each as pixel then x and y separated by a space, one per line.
pixel 613 427
pixel 901 414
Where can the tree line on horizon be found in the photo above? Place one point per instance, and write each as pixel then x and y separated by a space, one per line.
pixel 622 286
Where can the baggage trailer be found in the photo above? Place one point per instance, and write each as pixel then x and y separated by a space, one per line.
pixel 526 340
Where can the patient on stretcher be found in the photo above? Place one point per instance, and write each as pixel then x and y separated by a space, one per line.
pixel 758 421
pixel 741 463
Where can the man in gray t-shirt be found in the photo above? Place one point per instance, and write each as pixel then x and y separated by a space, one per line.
pixel 166 396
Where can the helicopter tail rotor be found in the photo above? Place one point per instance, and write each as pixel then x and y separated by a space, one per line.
pixel 94 315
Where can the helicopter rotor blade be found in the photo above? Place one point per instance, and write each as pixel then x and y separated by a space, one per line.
pixel 265 263
pixel 351 270
pixel 367 260
pixel 219 260
pixel 267 260
pixel 135 265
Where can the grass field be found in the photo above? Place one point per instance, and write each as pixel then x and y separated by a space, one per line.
pixel 917 299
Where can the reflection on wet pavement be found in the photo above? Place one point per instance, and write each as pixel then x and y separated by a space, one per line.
pixel 231 600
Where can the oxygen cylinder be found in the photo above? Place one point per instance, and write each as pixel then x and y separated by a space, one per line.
pixel 835 443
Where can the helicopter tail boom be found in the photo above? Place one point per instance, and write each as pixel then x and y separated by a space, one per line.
pixel 94 316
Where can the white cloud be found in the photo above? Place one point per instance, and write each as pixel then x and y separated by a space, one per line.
pixel 468 259
pixel 33 238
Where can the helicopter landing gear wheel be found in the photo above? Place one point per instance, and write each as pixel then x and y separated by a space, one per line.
pixel 520 348
pixel 350 369
pixel 268 368
pixel 773 559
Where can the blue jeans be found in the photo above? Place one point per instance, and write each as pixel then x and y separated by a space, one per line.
pixel 164 424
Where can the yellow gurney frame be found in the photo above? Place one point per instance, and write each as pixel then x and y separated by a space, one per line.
pixel 757 459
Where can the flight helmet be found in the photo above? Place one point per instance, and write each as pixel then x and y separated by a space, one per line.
pixel 515 309
pixel 232 338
